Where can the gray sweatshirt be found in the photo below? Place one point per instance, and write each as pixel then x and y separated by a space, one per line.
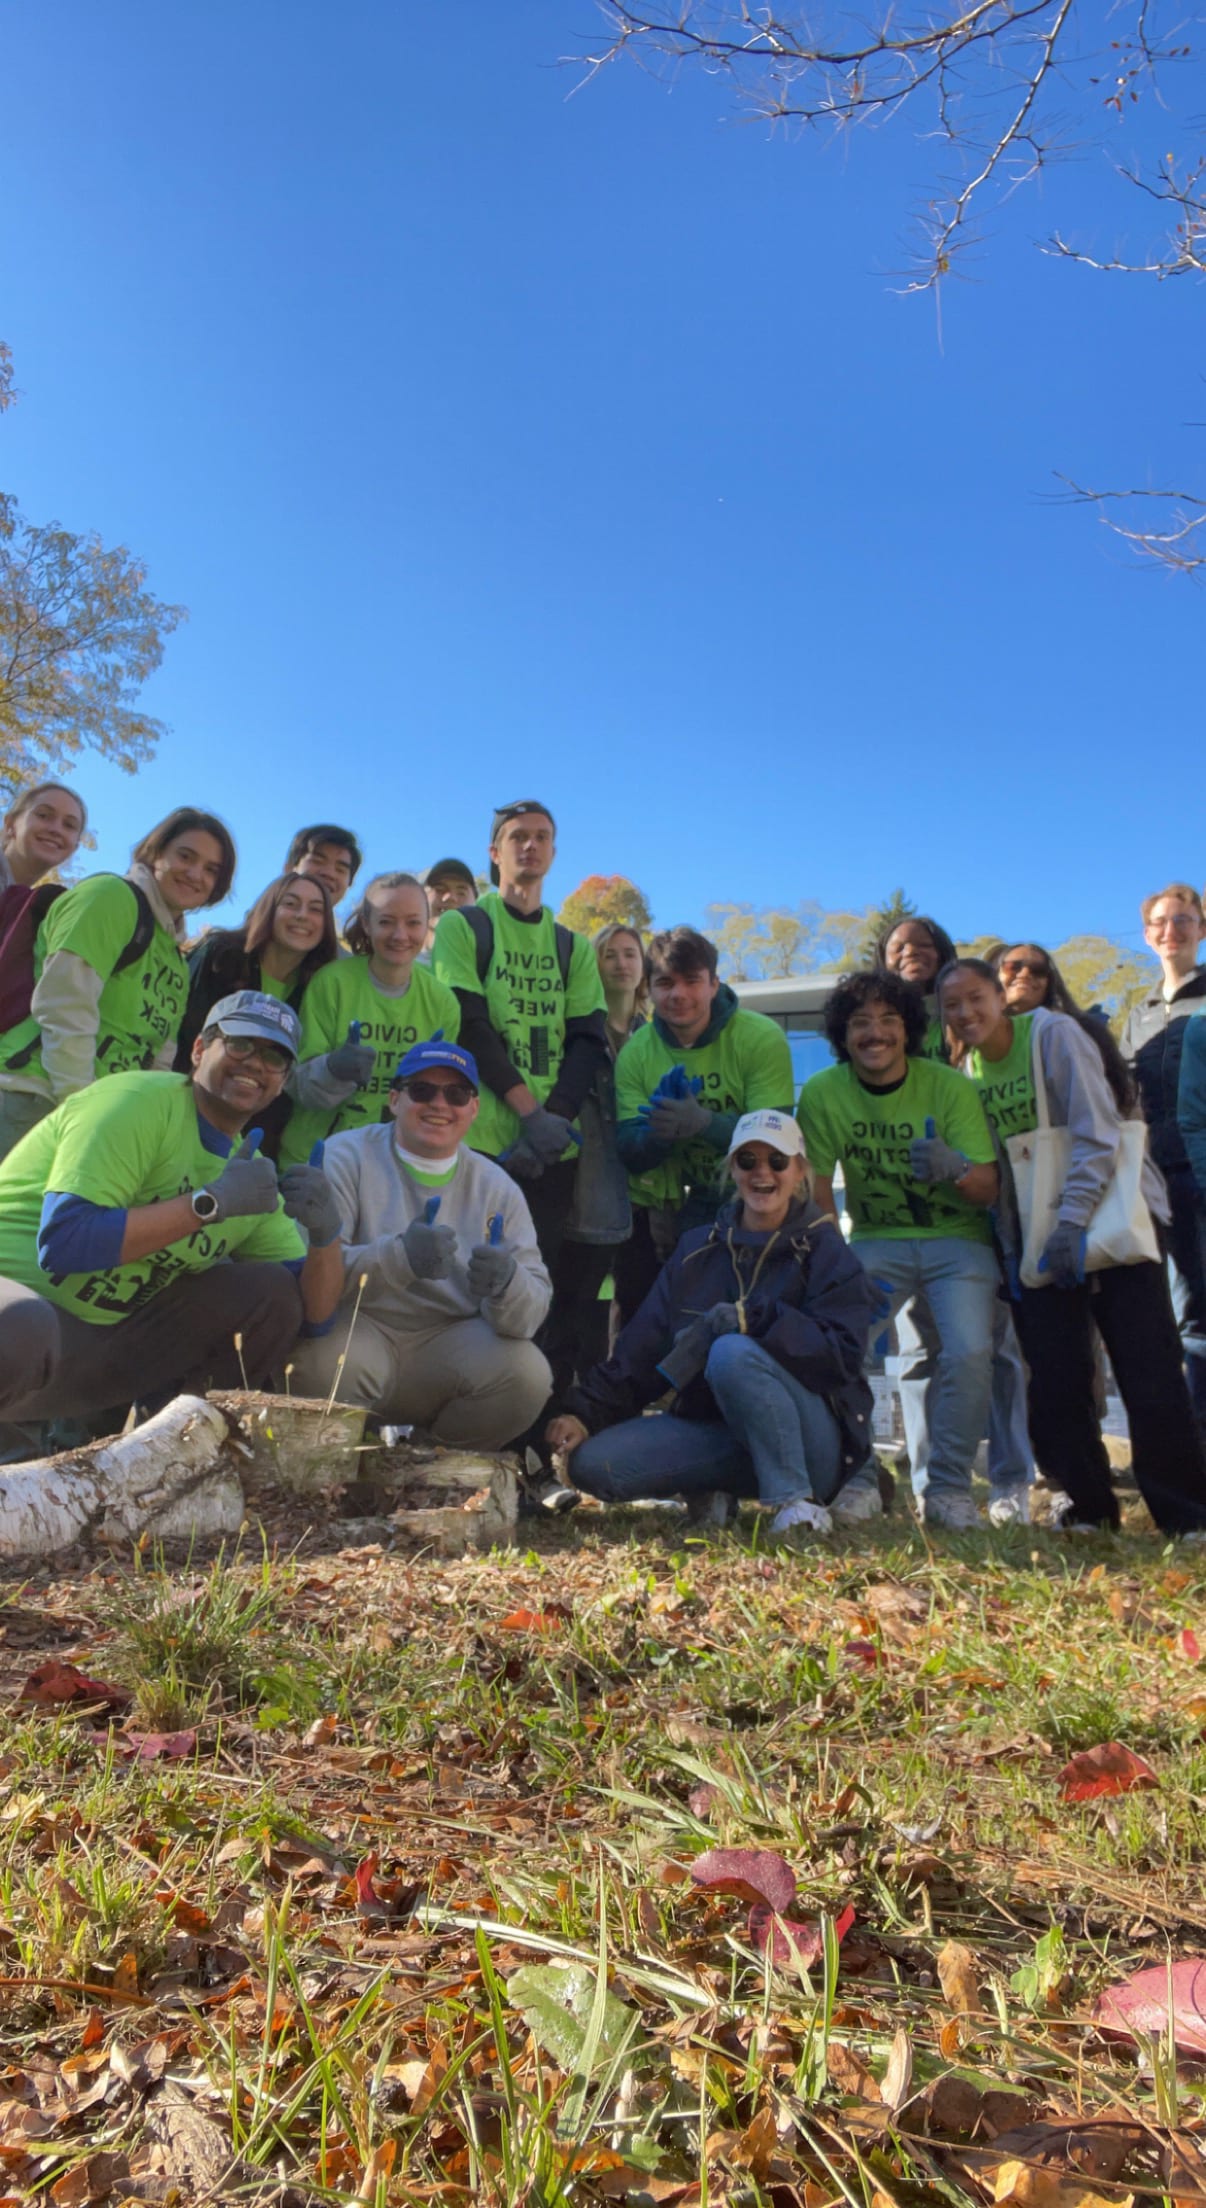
pixel 379 1198
pixel 66 1005
pixel 1080 1098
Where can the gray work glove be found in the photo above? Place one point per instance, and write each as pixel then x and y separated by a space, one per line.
pixel 1063 1258
pixel 430 1250
pixel 932 1159
pixel 490 1266
pixel 677 1118
pixel 310 1199
pixel 542 1137
pixel 246 1184
pixel 354 1061
pixel 686 1360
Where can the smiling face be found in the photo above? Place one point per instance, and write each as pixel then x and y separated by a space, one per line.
pixel 875 1039
pixel 684 1001
pixel 767 1182
pixel 432 1123
pixel 299 919
pixel 237 1078
pixel 395 922
pixel 976 1012
pixel 621 963
pixel 912 953
pixel 45 834
pixel 1025 974
pixel 188 870
pixel 448 892
pixel 332 864
pixel 1174 930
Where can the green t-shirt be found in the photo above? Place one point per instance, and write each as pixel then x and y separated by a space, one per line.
pixel 345 991
pixel 745 1068
pixel 274 988
pixel 870 1130
pixel 133 1140
pixel 140 1009
pixel 1006 1084
pixel 934 1043
pixel 525 998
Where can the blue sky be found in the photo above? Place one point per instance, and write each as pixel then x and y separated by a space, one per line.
pixel 501 441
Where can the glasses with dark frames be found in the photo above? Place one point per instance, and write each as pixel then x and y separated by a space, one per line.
pixel 458 1093
pixel 269 1054
pixel 749 1163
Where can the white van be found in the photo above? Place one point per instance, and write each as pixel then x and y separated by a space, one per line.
pixel 795 1004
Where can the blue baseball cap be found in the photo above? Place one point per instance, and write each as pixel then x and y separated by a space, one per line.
pixel 253 1012
pixel 421 1057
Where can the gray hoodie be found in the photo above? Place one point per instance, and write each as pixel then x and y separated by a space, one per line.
pixel 1080 1098
pixel 379 1198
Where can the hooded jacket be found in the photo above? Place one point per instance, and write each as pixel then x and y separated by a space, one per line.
pixel 744 1063
pixel 1152 1040
pixel 810 1306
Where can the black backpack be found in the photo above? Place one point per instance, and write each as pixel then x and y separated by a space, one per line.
pixel 481 927
pixel 22 912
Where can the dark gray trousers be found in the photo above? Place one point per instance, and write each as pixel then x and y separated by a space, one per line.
pixel 55 1365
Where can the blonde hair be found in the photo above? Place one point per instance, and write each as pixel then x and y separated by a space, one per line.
pixel 25 798
pixel 355 934
pixel 1185 894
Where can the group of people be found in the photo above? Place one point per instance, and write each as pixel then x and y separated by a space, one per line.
pixel 404 1159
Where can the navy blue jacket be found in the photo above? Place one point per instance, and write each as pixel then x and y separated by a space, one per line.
pixel 810 1308
pixel 1152 1041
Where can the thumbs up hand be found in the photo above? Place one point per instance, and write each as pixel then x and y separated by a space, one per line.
pixel 247 1183
pixel 490 1266
pixel 932 1160
pixel 430 1249
pixel 354 1061
pixel 310 1199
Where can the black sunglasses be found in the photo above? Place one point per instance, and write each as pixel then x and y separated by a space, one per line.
pixel 749 1163
pixel 458 1093
pixel 1011 966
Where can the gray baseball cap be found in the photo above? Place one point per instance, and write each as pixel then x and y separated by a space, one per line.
pixel 252 1012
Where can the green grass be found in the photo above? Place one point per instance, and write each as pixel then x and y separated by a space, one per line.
pixel 890 1716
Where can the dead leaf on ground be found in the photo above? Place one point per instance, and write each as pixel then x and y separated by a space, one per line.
pixel 850 2073
pixel 1145 2002
pixel 898 2076
pixel 149 1747
pixel 958 1978
pixel 549 1620
pixel 1109 1768
pixel 58 1686
pixel 789 1942
pixel 755 1874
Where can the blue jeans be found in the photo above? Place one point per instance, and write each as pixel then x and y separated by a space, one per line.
pixel 774 1439
pixel 1010 1460
pixel 958 1280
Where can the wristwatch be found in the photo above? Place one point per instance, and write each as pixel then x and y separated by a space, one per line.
pixel 205 1203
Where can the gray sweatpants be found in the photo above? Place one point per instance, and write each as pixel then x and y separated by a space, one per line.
pixel 467 1385
pixel 55 1365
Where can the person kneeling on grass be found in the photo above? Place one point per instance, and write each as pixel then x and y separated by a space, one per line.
pixel 759 1323
pixel 444 1283
pixel 119 1213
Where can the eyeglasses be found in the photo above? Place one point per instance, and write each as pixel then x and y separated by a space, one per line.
pixel 456 1093
pixel 245 1047
pixel 1180 921
pixel 1010 967
pixel 749 1163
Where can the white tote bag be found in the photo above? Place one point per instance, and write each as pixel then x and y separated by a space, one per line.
pixel 1121 1230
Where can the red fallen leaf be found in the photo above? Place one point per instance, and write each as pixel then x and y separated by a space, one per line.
pixel 1190 1645
pixel 384 1897
pixel 789 1941
pixel 754 1873
pixel 535 1621
pixel 1141 2004
pixel 702 1800
pixel 1107 1769
pixel 864 1653
pixel 146 1747
pixel 57 1686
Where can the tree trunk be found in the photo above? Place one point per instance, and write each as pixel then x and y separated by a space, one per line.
pixel 172 1478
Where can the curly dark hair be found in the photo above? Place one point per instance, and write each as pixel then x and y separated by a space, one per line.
pixel 871 987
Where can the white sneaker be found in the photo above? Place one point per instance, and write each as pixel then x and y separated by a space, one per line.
pixel 1010 1508
pixel 951 1510
pixel 802 1515
pixel 855 1503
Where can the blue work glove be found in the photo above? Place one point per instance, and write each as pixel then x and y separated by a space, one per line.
pixel 490 1266
pixel 1063 1258
pixel 543 1135
pixel 932 1159
pixel 430 1250
pixel 246 1184
pixel 310 1199
pixel 675 1118
pixel 354 1061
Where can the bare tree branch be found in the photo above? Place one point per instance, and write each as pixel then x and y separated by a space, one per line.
pixel 1176 546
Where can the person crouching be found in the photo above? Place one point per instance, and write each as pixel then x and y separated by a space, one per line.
pixel 444 1285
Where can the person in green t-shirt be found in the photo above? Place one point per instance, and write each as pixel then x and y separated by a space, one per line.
pixel 920 1174
pixel 1088 1091
pixel 532 1013
pixel 110 982
pixel 682 1084
pixel 361 1014
pixel 917 949
pixel 118 1216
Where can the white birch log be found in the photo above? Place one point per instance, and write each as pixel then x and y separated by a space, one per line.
pixel 172 1477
